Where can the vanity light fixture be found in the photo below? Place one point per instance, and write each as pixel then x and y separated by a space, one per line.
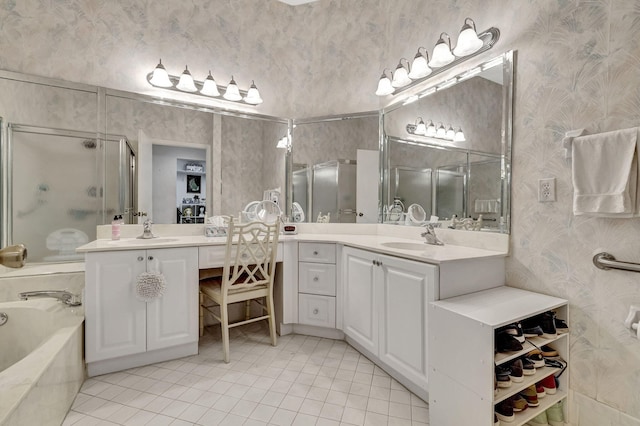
pixel 420 65
pixel 468 40
pixel 208 88
pixel 470 44
pixel 186 83
pixel 233 92
pixel 401 75
pixel 442 55
pixel 438 132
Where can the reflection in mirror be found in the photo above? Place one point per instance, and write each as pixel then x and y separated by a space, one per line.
pixel 334 176
pixel 462 172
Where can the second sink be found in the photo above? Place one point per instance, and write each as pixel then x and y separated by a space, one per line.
pixel 405 246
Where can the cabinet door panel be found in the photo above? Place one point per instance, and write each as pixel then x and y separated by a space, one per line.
pixel 173 319
pixel 360 321
pixel 115 319
pixel 407 288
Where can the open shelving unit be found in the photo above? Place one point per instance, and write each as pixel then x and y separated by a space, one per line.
pixel 462 356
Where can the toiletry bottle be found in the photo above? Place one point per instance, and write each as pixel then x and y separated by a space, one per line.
pixel 115 228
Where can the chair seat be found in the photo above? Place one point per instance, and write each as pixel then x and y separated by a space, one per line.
pixel 212 287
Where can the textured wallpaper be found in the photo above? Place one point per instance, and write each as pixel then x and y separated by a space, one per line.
pixel 578 65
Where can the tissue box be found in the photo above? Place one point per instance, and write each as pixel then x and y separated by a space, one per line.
pixel 215 231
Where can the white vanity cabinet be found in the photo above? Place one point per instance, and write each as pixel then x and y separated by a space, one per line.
pixel 385 311
pixel 317 284
pixel 122 331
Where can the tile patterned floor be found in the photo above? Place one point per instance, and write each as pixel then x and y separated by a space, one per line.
pixel 302 381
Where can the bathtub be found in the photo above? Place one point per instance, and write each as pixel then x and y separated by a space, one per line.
pixel 41 365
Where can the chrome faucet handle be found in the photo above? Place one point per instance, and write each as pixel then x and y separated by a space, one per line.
pixel 146 230
pixel 430 235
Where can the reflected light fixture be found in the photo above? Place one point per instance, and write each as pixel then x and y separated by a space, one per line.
pixel 253 96
pixel 468 40
pixel 420 65
pixel 401 75
pixel 209 87
pixel 438 132
pixel 160 77
pixel 186 83
pixel 442 55
pixel 384 85
pixel 282 142
pixel 232 93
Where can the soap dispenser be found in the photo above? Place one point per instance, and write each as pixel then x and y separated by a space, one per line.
pixel 115 228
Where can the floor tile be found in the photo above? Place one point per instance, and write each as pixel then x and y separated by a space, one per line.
pixel 303 381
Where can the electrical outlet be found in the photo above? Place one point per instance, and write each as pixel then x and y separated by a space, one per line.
pixel 547 190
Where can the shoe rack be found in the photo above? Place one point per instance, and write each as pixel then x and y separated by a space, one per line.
pixel 462 355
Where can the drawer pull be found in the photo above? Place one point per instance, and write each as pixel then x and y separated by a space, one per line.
pixel 150 257
pixel 315 311
pixel 140 258
pixel 315 279
pixel 315 253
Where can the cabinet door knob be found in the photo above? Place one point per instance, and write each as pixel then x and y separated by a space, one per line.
pixel 150 257
pixel 315 279
pixel 315 253
pixel 140 258
pixel 315 311
pixel 360 214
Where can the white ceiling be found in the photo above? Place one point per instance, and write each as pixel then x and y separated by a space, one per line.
pixel 296 2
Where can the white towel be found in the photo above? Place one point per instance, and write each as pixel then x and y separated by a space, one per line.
pixel 150 286
pixel 487 206
pixel 605 174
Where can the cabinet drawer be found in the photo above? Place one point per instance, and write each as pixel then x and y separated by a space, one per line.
pixel 317 310
pixel 317 252
pixel 317 278
pixel 213 256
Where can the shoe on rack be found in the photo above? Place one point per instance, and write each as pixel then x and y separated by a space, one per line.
pixel 517 371
pixel 504 411
pixel 540 390
pixel 548 384
pixel 514 330
pixel 561 326
pixel 528 369
pixel 555 414
pixel 536 359
pixel 496 422
pixel 547 323
pixel 507 343
pixel 519 403
pixel 502 376
pixel 539 420
pixel 531 396
pixel 546 351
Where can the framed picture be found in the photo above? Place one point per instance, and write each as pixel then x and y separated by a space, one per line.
pixel 193 183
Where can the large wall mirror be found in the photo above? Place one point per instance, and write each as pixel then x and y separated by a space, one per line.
pixel 448 151
pixel 335 169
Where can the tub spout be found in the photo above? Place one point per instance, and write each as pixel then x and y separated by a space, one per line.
pixel 13 256
pixel 64 296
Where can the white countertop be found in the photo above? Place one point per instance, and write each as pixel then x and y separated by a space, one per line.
pixel 427 253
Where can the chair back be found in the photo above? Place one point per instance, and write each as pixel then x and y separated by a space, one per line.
pixel 250 255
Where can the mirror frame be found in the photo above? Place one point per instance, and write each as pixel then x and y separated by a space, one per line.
pixel 508 66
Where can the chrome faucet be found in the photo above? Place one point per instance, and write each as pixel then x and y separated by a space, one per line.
pixel 64 296
pixel 146 230
pixel 430 235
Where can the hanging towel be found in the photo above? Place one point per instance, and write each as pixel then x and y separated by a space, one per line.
pixel 487 206
pixel 567 141
pixel 605 174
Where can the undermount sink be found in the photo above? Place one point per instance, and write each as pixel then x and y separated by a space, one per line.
pixel 143 242
pixel 405 246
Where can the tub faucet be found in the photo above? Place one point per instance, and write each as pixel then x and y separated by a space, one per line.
pixel 64 296
pixel 430 235
pixel 146 230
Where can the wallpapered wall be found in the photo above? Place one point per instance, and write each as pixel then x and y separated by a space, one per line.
pixel 578 66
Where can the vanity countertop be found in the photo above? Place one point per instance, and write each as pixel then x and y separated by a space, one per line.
pixel 401 247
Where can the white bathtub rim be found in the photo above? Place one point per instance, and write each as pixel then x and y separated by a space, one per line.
pixel 17 380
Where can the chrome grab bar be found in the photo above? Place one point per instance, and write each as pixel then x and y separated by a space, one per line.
pixel 608 261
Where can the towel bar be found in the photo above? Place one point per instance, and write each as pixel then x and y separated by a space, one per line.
pixel 608 261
